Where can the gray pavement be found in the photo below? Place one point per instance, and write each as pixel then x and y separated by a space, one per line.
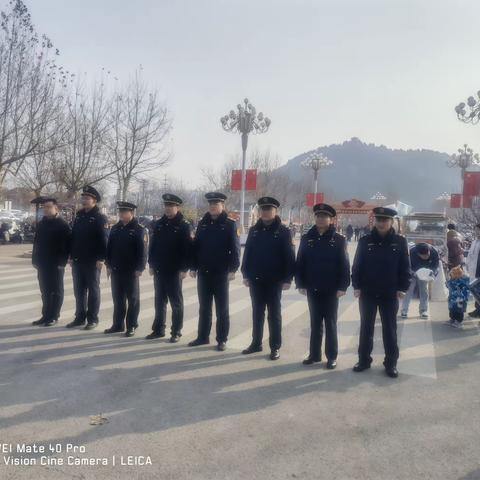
pixel 200 414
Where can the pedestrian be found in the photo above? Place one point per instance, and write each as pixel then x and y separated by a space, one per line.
pixel 422 256
pixel 215 259
pixel 323 274
pixel 87 256
pixel 168 260
pixel 454 247
pixel 349 232
pixel 458 294
pixel 125 260
pixel 356 232
pixel 473 266
pixel 51 246
pixel 380 277
pixel 268 266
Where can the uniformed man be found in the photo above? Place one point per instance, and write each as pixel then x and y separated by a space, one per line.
pixel 268 267
pixel 215 258
pixel 380 277
pixel 323 274
pixel 87 256
pixel 51 247
pixel 168 259
pixel 125 260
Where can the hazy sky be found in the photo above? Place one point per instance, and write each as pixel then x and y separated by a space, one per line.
pixel 387 71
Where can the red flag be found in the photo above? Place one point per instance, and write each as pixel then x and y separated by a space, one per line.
pixel 250 179
pixel 471 184
pixel 455 200
pixel 311 201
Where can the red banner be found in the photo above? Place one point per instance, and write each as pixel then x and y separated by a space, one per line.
pixel 467 202
pixel 250 179
pixel 471 184
pixel 311 200
pixel 455 200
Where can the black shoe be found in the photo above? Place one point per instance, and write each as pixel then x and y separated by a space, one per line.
pixel 252 349
pixel 130 332
pixel 50 323
pixel 75 323
pixel 91 325
pixel 360 367
pixel 275 354
pixel 331 364
pixel 221 346
pixel 474 314
pixel 198 341
pixel 310 361
pixel 154 335
pixel 40 321
pixel 113 330
pixel 175 338
pixel 392 372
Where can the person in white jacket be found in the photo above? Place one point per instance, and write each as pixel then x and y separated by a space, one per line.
pixel 473 266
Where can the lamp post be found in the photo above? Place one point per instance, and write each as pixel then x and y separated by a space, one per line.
pixel 316 161
pixel 245 121
pixel 378 198
pixel 444 198
pixel 473 114
pixel 464 159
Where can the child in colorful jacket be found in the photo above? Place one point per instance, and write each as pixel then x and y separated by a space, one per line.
pixel 458 293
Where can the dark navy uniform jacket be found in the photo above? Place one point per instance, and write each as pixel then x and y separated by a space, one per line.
pixel 269 253
pixel 51 245
pixel 89 236
pixel 322 262
pixel 216 246
pixel 381 265
pixel 170 245
pixel 127 249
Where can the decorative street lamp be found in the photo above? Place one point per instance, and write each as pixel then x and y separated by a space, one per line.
pixel 445 199
pixel 316 161
pixel 378 196
pixel 464 159
pixel 473 114
pixel 246 120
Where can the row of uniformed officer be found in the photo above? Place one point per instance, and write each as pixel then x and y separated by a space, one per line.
pixel 125 260
pixel 51 246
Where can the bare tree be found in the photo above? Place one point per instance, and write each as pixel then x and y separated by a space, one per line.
pixel 83 158
pixel 29 82
pixel 140 125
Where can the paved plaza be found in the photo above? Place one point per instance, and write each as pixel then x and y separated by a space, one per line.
pixel 196 413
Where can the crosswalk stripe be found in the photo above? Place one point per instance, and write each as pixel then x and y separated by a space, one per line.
pixel 290 313
pixel 104 282
pixel 417 352
pixel 16 270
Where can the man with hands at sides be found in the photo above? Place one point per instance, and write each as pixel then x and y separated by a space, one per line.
pixel 215 259
pixel 126 258
pixel 380 278
pixel 268 267
pixel 168 259
pixel 323 274
pixel 87 256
